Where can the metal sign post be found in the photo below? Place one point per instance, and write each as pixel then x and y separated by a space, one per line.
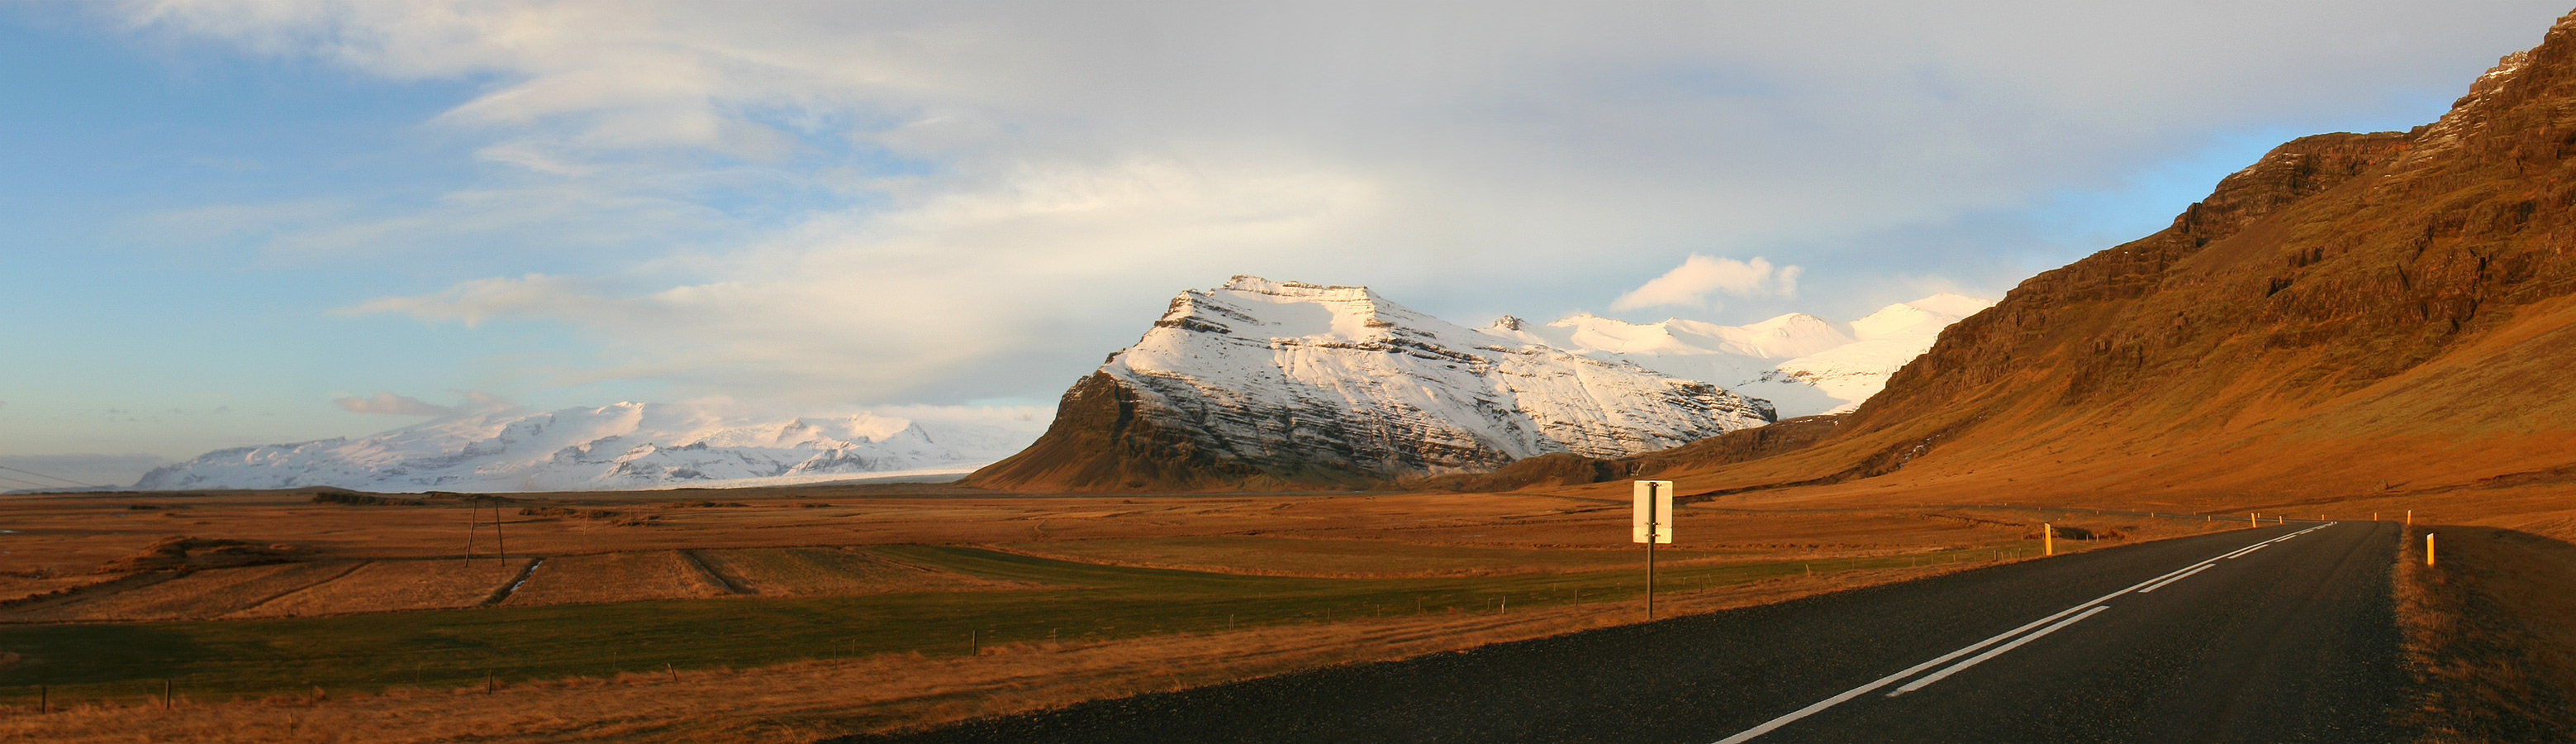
pixel 1652 523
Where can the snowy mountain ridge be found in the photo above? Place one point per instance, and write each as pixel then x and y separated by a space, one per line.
pixel 1288 376
pixel 1802 364
pixel 1308 383
pixel 621 446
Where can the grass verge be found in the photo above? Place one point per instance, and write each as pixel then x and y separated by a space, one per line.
pixel 2488 635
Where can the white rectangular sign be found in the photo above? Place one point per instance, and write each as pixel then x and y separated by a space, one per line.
pixel 1655 503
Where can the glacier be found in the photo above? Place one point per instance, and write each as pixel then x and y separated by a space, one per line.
pixel 1802 364
pixel 624 446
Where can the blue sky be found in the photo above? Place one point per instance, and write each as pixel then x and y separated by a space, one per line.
pixel 236 223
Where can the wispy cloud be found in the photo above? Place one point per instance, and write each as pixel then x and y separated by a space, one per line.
pixel 1693 283
pixel 889 201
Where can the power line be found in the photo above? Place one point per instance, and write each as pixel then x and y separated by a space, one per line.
pixel 28 482
pixel 42 475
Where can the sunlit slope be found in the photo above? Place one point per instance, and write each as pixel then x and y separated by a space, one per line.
pixel 2352 313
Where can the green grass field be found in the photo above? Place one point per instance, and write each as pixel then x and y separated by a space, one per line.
pixel 1073 601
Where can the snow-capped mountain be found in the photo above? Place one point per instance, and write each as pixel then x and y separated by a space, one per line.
pixel 622 446
pixel 1302 383
pixel 1803 364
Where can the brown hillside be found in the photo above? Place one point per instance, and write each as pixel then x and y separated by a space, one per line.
pixel 1098 444
pixel 2353 313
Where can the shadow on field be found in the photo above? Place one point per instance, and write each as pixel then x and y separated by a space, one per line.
pixel 88 654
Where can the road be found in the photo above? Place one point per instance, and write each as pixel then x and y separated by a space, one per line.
pixel 2282 633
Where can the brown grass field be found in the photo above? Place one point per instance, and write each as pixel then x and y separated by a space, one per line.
pixel 831 572
pixel 347 564
pixel 394 586
pixel 615 577
pixel 200 594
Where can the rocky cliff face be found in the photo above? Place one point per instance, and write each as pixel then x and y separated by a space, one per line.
pixel 2353 257
pixel 1276 384
pixel 2367 310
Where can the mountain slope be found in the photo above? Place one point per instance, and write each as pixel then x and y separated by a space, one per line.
pixel 622 446
pixel 1275 384
pixel 2351 313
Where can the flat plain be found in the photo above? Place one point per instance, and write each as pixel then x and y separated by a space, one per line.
pixel 799 614
pixel 320 606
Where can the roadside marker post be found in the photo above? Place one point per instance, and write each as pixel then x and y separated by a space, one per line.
pixel 1650 523
pixel 2410 517
pixel 2428 548
pixel 2047 539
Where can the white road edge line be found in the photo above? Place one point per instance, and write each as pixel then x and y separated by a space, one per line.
pixel 1999 650
pixel 2161 584
pixel 1820 705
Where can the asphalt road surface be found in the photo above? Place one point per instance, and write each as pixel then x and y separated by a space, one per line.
pixel 2275 634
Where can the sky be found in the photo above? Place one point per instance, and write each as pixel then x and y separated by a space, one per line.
pixel 242 222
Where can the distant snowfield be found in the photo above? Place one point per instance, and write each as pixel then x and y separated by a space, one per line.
pixel 1801 364
pixel 622 447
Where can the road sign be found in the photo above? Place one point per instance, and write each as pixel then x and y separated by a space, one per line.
pixel 1654 507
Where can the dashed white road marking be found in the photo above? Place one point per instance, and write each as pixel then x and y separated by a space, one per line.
pixel 2087 608
pixel 1997 651
pixel 2161 584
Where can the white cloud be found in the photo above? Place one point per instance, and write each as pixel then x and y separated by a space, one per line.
pixel 1692 283
pixel 392 405
pixel 890 201
pixel 923 300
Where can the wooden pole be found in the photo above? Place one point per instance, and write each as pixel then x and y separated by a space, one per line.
pixel 501 544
